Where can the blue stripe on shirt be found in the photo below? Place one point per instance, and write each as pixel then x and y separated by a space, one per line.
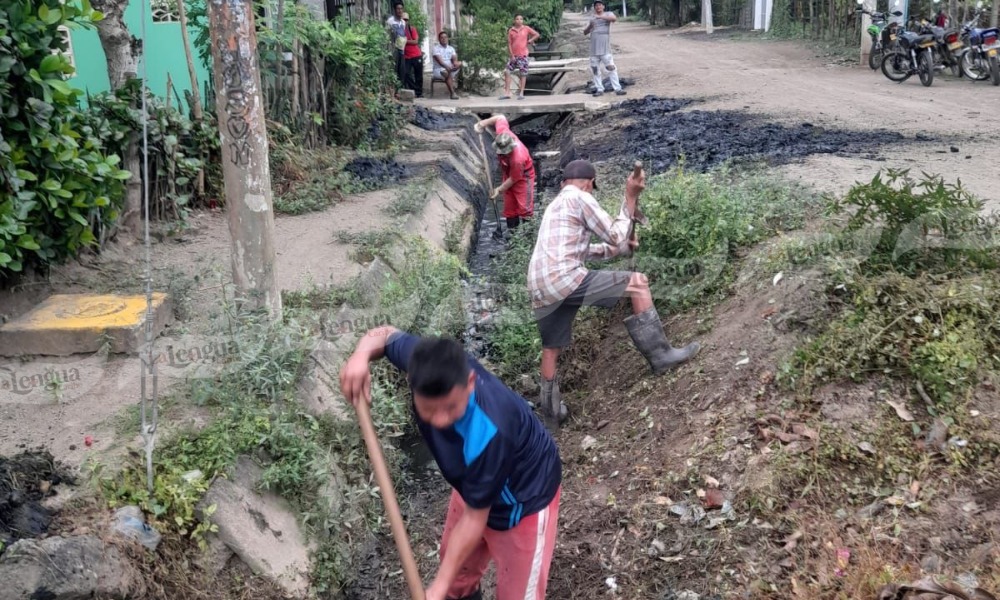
pixel 476 429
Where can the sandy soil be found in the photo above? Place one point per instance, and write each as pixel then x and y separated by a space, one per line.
pixel 792 82
pixel 93 400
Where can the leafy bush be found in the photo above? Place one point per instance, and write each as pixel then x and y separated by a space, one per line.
pixel 351 77
pixel 929 328
pixel 483 49
pixel 544 16
pixel 59 183
pixel 699 221
pixel 179 148
pixel 926 224
pixel 919 293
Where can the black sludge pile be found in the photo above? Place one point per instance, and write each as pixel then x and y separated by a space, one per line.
pixel 25 480
pixel 660 136
pixel 377 171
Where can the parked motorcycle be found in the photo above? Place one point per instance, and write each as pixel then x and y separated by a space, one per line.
pixel 882 32
pixel 914 56
pixel 979 59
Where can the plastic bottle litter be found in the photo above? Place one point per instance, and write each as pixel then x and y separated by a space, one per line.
pixel 130 523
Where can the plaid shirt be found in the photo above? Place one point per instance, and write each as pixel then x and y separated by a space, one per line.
pixel 563 244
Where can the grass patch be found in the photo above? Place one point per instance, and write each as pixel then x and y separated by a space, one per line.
pixel 368 244
pixel 307 180
pixel 701 222
pixel 917 290
pixel 411 200
pixel 426 295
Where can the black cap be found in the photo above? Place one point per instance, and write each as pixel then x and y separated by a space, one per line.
pixel 580 169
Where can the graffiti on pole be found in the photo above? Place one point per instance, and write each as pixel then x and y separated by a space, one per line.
pixel 237 84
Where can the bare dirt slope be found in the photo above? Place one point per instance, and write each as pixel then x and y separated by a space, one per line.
pixel 193 266
pixel 793 82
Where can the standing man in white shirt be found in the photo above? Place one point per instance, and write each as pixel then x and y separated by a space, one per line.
pixel 397 37
pixel 599 30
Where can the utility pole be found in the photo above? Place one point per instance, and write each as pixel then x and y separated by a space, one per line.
pixel 865 44
pixel 245 166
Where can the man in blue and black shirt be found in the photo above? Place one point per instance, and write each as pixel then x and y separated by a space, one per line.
pixel 501 462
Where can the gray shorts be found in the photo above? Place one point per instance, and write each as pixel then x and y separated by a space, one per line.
pixel 598 288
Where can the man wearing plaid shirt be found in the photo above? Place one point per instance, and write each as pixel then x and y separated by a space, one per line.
pixel 560 284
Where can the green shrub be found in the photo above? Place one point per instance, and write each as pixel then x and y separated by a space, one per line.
pixel 915 268
pixel 179 148
pixel 544 16
pixel 699 222
pixel 936 330
pixel 60 186
pixel 926 224
pixel 483 49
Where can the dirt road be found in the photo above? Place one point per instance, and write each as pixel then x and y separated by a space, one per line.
pixel 790 81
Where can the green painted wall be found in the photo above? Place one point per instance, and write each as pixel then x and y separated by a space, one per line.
pixel 164 53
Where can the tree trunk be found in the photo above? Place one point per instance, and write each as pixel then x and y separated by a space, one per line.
pixel 196 112
pixel 121 50
pixel 245 163
pixel 706 15
pixel 994 13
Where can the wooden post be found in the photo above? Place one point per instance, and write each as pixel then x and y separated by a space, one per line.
pixel 245 166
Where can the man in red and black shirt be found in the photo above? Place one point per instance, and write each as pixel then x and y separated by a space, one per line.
pixel 413 56
pixel 518 170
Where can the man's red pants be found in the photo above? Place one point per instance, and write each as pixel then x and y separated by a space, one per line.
pixel 522 554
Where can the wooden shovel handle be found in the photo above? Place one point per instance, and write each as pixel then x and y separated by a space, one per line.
pixel 377 459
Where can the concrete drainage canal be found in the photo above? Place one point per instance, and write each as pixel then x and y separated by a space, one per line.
pixel 663 133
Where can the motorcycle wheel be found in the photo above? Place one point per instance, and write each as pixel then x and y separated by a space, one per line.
pixel 973 67
pixel 875 57
pixel 925 68
pixel 896 66
pixel 994 70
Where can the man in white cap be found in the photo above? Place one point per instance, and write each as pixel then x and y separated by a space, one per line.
pixel 559 283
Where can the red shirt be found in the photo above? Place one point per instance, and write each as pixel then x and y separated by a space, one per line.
pixel 519 200
pixel 412 51
pixel 518 40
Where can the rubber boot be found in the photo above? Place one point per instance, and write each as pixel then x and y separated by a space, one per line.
pixel 649 338
pixel 553 409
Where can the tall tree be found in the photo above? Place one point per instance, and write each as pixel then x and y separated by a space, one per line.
pixel 122 51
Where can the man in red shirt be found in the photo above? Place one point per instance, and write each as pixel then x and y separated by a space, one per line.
pixel 518 38
pixel 413 56
pixel 518 170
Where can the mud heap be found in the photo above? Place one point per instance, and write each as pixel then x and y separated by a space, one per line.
pixel 25 480
pixel 432 120
pixel 653 130
pixel 377 172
